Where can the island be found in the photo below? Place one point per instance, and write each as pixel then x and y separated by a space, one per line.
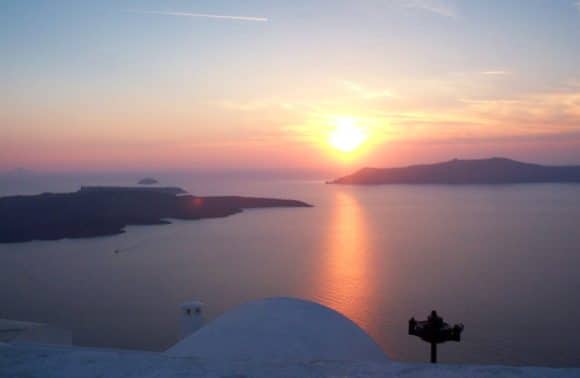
pixel 102 210
pixel 481 171
pixel 148 181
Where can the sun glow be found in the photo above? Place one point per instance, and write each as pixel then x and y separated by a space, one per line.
pixel 347 136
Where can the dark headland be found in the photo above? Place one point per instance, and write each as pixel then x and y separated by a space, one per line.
pixel 483 171
pixel 99 211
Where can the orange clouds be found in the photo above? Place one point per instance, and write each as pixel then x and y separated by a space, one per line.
pixel 461 113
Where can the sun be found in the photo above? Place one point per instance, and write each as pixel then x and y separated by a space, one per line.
pixel 346 136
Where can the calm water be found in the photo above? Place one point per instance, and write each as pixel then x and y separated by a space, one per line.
pixel 502 259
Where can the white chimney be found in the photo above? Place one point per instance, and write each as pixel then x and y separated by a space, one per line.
pixel 191 317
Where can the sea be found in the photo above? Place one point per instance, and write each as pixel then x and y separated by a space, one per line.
pixel 503 260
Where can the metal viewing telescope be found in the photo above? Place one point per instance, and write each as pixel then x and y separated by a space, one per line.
pixel 435 331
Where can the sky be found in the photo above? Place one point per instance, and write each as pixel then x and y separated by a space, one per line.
pixel 251 85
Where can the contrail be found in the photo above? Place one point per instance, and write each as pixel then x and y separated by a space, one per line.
pixel 204 15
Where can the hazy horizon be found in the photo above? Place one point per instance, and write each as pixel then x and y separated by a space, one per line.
pixel 274 173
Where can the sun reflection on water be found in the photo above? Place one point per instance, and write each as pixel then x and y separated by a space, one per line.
pixel 345 283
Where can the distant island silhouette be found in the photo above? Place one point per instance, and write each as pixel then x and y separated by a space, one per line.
pixel 148 181
pixel 99 211
pixel 482 171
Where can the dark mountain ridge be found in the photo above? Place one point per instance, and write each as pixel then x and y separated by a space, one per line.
pixel 482 171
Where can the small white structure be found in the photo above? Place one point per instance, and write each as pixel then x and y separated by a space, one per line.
pixel 191 317
pixel 280 329
pixel 279 337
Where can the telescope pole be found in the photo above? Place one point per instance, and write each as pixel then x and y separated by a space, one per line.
pixel 433 353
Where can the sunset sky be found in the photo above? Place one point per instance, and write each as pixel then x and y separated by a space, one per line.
pixel 229 84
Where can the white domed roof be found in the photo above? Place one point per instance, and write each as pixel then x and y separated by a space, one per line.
pixel 280 329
